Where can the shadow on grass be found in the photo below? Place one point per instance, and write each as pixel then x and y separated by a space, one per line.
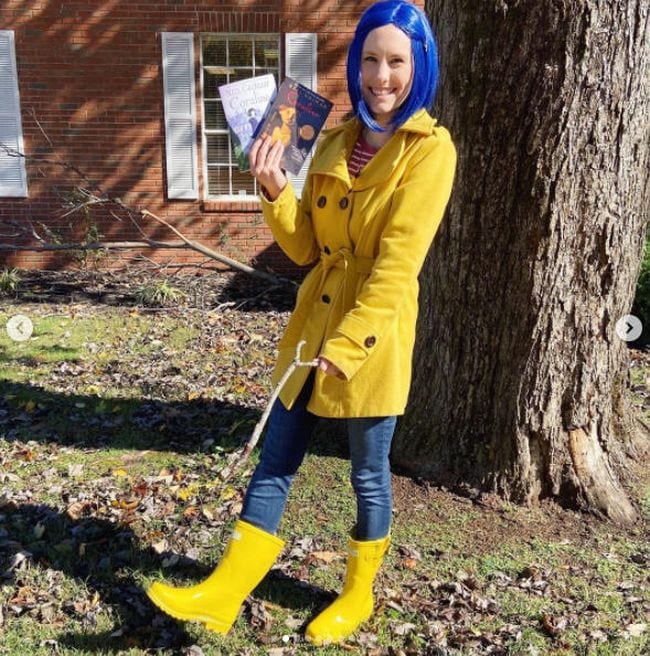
pixel 103 555
pixel 29 412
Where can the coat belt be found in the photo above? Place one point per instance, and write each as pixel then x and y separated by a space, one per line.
pixel 345 259
pixel 350 263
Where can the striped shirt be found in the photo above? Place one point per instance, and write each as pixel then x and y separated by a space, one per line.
pixel 362 153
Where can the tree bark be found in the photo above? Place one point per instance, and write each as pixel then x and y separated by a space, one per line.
pixel 521 383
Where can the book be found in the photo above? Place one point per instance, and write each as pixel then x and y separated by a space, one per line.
pixel 244 105
pixel 295 117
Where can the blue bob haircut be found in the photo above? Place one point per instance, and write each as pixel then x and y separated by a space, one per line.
pixel 413 22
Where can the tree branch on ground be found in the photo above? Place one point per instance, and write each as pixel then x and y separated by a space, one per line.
pixel 93 195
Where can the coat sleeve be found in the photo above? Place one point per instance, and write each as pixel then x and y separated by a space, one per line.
pixel 290 223
pixel 417 209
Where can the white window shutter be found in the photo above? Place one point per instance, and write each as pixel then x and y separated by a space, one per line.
pixel 301 57
pixel 13 177
pixel 180 115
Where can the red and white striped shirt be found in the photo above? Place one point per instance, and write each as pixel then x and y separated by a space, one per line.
pixel 362 153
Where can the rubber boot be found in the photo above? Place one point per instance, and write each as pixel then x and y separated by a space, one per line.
pixel 216 601
pixel 355 603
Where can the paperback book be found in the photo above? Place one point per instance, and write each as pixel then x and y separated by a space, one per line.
pixel 244 104
pixel 295 117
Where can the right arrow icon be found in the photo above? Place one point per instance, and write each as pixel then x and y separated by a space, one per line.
pixel 629 328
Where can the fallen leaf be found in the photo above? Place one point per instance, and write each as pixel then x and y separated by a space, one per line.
pixel 294 622
pixel 635 630
pixel 190 512
pixel 326 556
pixel 75 471
pixel 402 629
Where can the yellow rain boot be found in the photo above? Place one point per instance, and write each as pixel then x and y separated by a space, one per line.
pixel 355 603
pixel 217 600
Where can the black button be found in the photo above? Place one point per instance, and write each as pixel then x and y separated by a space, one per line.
pixel 343 203
pixel 321 202
pixel 325 298
pixel 370 341
pixel 326 250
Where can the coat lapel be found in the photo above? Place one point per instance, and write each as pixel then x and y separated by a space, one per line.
pixel 333 156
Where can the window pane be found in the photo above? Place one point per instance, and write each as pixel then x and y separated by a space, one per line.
pixel 267 54
pixel 265 71
pixel 240 74
pixel 214 51
pixel 211 83
pixel 241 52
pixel 218 149
pixel 215 119
pixel 242 182
pixel 218 181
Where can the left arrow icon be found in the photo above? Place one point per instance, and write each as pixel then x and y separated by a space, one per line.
pixel 20 328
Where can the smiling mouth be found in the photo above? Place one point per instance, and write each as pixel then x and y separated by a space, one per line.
pixel 378 93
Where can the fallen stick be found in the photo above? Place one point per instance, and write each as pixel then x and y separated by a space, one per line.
pixel 241 457
pixel 194 245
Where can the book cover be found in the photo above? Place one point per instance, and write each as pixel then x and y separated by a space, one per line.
pixel 296 117
pixel 244 105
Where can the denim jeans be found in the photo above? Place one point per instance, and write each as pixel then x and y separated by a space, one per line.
pixel 287 437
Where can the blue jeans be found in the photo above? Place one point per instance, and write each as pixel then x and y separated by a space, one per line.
pixel 287 437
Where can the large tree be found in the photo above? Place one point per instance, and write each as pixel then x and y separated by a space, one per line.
pixel 520 380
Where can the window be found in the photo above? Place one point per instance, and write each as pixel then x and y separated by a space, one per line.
pixel 227 58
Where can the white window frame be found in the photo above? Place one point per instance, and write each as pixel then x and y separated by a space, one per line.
pixel 204 133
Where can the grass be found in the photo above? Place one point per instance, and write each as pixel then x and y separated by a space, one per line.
pixel 107 408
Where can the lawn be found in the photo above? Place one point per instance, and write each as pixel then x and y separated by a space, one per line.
pixel 115 423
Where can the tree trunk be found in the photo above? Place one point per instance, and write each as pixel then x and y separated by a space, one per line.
pixel 521 383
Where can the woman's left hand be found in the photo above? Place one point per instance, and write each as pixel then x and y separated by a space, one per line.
pixel 329 368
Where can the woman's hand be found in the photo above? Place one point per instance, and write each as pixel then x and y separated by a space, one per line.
pixel 329 368
pixel 264 159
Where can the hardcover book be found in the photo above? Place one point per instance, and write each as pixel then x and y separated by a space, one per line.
pixel 244 105
pixel 295 118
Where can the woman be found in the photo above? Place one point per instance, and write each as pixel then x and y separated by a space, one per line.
pixel 372 202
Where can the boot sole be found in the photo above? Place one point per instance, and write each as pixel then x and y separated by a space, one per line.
pixel 210 623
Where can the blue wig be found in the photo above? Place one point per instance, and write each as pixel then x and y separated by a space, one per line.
pixel 413 22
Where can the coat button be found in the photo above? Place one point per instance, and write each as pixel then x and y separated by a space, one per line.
pixel 325 298
pixel 321 202
pixel 343 203
pixel 370 341
pixel 326 250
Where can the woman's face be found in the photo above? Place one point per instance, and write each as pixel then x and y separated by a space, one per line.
pixel 386 71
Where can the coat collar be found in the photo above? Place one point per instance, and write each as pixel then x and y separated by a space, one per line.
pixel 338 142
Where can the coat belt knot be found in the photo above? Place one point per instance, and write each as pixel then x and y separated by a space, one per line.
pixel 345 259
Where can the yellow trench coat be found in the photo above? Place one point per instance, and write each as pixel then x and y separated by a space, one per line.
pixel 369 235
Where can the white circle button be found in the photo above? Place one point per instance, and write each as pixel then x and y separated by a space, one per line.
pixel 629 328
pixel 20 328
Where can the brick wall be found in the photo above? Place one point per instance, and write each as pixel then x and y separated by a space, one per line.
pixel 90 79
